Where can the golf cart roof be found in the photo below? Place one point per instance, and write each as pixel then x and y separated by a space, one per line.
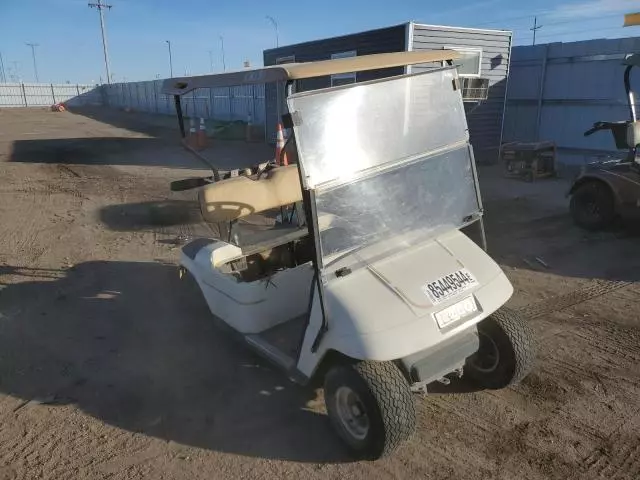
pixel 297 71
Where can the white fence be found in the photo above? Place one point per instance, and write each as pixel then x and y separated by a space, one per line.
pixel 235 103
pixel 46 94
pixel 226 104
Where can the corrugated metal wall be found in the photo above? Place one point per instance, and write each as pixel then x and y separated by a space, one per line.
pixel 383 40
pixel 484 119
pixel 228 104
pixel 47 94
pixel 558 90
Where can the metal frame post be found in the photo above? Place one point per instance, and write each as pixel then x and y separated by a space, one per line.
pixel 24 95
pixel 179 113
pixel 254 100
pixel 155 96
pixel 53 94
pixel 543 77
pixel 211 104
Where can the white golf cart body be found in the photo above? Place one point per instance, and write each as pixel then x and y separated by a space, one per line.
pixel 387 180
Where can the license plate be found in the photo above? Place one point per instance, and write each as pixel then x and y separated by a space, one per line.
pixel 449 286
pixel 456 312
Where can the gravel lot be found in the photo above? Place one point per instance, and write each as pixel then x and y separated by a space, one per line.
pixel 111 368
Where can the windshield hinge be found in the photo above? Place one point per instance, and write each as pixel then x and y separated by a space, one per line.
pixel 289 120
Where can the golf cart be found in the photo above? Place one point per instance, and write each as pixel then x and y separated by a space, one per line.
pixel 605 190
pixel 353 268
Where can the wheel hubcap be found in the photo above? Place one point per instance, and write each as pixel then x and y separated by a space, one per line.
pixel 351 413
pixel 487 357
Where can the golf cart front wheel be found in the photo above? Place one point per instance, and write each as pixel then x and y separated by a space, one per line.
pixel 370 407
pixel 507 351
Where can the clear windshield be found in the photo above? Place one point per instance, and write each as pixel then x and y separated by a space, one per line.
pixel 397 208
pixel 389 161
pixel 342 132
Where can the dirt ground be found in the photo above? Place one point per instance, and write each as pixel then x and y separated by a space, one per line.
pixel 110 368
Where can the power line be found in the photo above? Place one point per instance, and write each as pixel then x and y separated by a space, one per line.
pixel 570 32
pixel 521 17
pixel 100 7
pixel 543 13
pixel 565 22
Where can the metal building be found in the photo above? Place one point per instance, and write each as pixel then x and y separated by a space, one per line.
pixel 486 55
pixel 558 90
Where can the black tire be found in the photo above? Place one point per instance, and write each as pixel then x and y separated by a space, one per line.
pixel 507 351
pixel 593 206
pixel 383 399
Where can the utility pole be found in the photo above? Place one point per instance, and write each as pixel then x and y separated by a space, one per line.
pixel 170 59
pixel 4 76
pixel 535 28
pixel 101 6
pixel 224 65
pixel 275 26
pixel 33 55
pixel 211 60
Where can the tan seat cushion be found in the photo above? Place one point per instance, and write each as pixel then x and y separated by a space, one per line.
pixel 238 197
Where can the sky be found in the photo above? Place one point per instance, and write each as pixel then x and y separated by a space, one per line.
pixel 70 49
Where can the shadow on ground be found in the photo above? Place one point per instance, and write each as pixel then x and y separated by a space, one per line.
pixel 518 236
pixel 150 215
pixel 132 345
pixel 102 151
pixel 222 153
pixel 154 125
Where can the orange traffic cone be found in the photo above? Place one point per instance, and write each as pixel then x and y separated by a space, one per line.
pixel 201 141
pixel 281 158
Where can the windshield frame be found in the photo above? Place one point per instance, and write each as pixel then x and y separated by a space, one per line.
pixel 312 191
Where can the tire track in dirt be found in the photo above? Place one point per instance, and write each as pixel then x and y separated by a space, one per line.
pixel 596 288
pixel 617 459
pixel 442 405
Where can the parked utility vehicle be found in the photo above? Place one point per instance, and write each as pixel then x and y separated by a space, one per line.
pixel 607 189
pixel 358 273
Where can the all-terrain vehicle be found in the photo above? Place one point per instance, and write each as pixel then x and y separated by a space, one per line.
pixel 350 265
pixel 607 189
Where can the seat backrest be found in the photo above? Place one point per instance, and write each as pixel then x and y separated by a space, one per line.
pixel 238 197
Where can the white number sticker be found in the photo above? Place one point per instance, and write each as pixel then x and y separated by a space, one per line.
pixel 449 286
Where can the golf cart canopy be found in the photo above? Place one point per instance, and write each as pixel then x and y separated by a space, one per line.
pixel 297 71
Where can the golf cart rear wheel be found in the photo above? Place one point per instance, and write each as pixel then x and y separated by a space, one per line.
pixel 592 206
pixel 370 406
pixel 507 351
